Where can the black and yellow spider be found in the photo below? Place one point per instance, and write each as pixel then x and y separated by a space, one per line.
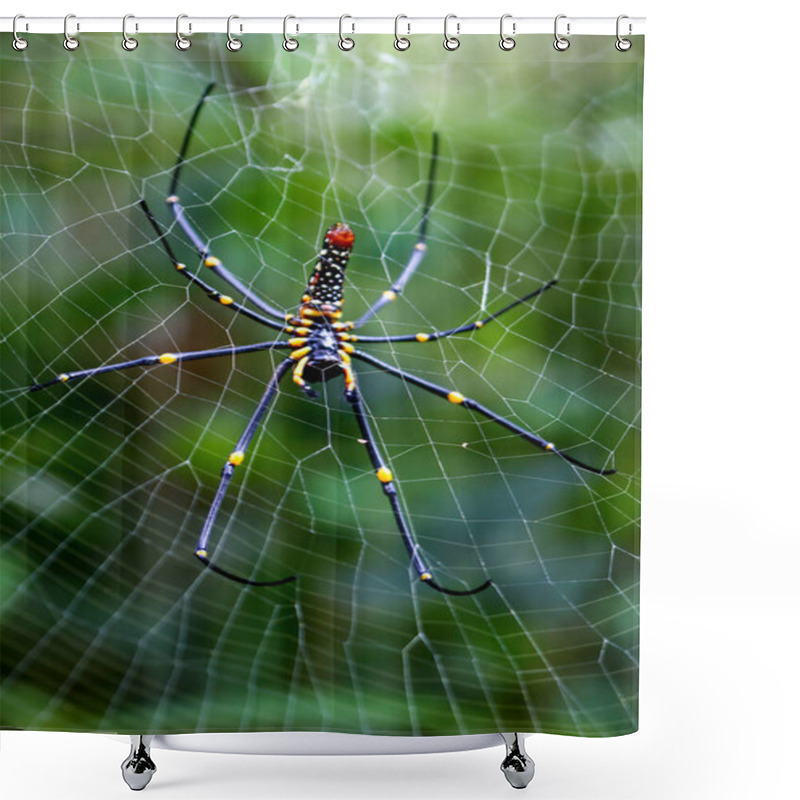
pixel 322 348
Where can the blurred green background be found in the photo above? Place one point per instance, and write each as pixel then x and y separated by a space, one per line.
pixel 108 623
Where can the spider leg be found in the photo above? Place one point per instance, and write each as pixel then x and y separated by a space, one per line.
pixel 202 247
pixel 384 475
pixel 434 335
pixel 420 247
pixel 234 459
pixel 212 293
pixel 164 358
pixel 466 402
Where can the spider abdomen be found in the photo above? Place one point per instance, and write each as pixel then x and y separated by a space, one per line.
pixel 325 291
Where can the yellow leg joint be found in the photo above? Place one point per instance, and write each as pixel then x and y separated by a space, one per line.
pixel 455 397
pixel 173 198
pixel 384 475
pixel 349 375
pixel 389 294
pixel 479 324
pixel 422 337
pixel 298 341
pixel 201 553
pixel 225 299
pixel 297 374
pixel 63 377
pixel 426 576
pixel 300 354
pixel 212 262
pixel 180 266
pixel 549 446
pixel 236 457
pixel 167 358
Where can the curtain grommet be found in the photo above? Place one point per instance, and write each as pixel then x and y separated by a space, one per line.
pixel 18 43
pixel 70 42
pixel 181 42
pixel 451 43
pixel 561 43
pixel 345 42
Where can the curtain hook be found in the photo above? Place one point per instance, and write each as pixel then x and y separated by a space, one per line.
pixel 70 42
pixel 451 42
pixel 621 44
pixel 18 42
pixel 400 42
pixel 345 42
pixel 128 42
pixel 181 42
pixel 289 44
pixel 507 42
pixel 233 44
pixel 560 43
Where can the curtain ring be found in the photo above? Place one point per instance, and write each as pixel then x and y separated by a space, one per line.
pixel 181 42
pixel 233 44
pixel 451 42
pixel 18 43
pixel 621 44
pixel 289 44
pixel 507 42
pixel 560 43
pixel 345 42
pixel 400 42
pixel 128 42
pixel 70 42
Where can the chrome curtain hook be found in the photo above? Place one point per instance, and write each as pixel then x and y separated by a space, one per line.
pixel 345 42
pixel 233 44
pixel 507 42
pixel 289 44
pixel 18 43
pixel 623 45
pixel 400 42
pixel 181 42
pixel 128 42
pixel 561 43
pixel 451 42
pixel 70 42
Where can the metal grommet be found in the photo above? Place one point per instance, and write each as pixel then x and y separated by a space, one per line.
pixel 18 43
pixel 70 42
pixel 400 42
pixel 451 42
pixel 623 45
pixel 181 42
pixel 560 43
pixel 289 44
pixel 128 42
pixel 345 42
pixel 507 42
pixel 233 44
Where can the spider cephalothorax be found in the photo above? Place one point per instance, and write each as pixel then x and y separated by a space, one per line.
pixel 321 348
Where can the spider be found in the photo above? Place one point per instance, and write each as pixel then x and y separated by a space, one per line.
pixel 321 348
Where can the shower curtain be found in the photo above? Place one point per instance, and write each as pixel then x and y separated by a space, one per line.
pixel 441 500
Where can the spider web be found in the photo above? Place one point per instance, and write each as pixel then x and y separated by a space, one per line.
pixel 108 622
